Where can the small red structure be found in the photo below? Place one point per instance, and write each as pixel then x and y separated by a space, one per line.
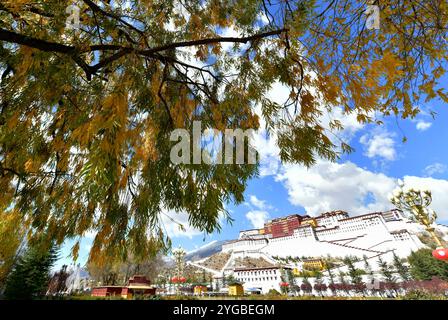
pixel 106 291
pixel 178 280
pixel 440 254
pixel 137 285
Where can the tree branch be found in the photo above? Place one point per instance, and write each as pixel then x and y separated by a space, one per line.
pixel 96 8
pixel 42 45
pixel 213 40
pixel 73 52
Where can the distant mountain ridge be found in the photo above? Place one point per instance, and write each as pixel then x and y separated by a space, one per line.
pixel 205 251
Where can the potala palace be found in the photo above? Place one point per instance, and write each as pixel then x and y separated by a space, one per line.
pixel 253 258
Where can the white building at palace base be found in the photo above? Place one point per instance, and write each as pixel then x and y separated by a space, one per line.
pixel 261 279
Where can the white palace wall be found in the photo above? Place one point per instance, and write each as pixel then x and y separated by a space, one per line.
pixel 338 236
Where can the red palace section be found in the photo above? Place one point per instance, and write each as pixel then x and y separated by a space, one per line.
pixel 283 227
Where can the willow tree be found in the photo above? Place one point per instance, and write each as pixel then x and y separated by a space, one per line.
pixel 87 111
pixel 12 233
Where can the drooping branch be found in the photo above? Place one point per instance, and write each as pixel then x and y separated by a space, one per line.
pixel 30 8
pixel 96 8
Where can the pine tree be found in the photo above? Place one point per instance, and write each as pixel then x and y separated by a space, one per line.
pixel 319 285
pixel 331 277
pixel 388 274
pixel 217 285
pixel 343 283
pixel 401 268
pixel 386 271
pixel 224 280
pixel 423 266
pixel 31 275
pixel 368 269
pixel 330 274
pixel 306 285
pixel 355 275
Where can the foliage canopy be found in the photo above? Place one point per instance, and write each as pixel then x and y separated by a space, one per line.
pixel 86 114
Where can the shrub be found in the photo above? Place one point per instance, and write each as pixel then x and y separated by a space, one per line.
pixel 418 294
pixel 273 292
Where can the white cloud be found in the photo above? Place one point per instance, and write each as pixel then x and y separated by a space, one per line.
pixel 90 234
pixel 434 169
pixel 423 125
pixel 278 93
pixel 263 19
pixel 171 220
pixel 86 246
pixel 231 32
pixel 257 218
pixel 348 121
pixel 331 186
pixel 180 10
pixel 268 151
pixel 379 144
pixel 258 203
pixel 438 188
pixel 266 145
